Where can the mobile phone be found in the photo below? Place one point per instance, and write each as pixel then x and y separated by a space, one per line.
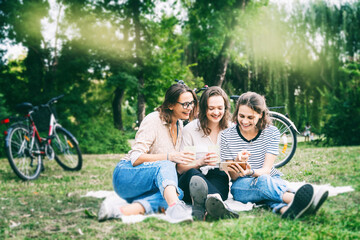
pixel 224 166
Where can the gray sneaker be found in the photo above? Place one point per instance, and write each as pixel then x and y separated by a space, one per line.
pixel 180 212
pixel 108 211
pixel 302 201
pixel 217 208
pixel 320 196
pixel 198 192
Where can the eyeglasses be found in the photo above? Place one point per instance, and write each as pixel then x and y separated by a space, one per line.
pixel 186 105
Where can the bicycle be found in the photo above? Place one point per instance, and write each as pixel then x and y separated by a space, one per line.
pixel 288 135
pixel 25 149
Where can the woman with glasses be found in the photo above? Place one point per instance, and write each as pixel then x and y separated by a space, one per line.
pixel 146 178
pixel 201 181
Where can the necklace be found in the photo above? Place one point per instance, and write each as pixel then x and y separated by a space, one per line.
pixel 173 133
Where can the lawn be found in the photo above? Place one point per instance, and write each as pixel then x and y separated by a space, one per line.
pixel 52 207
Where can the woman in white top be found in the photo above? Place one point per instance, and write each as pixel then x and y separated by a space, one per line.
pixel 203 179
pixel 146 178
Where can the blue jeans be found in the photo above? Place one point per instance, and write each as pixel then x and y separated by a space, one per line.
pixel 145 183
pixel 263 189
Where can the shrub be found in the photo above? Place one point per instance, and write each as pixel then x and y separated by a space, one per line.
pixel 97 137
pixel 343 124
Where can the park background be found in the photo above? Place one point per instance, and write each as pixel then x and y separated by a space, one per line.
pixel 114 60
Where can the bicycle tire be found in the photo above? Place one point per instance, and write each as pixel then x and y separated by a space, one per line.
pixel 67 151
pixel 20 157
pixel 288 139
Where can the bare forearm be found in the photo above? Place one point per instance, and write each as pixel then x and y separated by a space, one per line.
pixel 261 171
pixel 150 158
pixel 181 168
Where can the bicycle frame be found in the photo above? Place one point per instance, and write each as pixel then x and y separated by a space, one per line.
pixel 35 133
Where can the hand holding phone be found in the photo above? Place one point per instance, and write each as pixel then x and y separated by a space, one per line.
pixel 233 166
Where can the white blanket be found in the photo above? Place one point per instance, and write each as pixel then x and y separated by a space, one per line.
pixel 112 198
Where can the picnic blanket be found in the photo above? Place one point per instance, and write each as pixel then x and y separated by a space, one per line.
pixel 112 198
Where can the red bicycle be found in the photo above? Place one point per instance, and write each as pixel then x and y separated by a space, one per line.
pixel 26 149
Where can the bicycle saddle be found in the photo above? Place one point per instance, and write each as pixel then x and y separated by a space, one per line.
pixel 24 108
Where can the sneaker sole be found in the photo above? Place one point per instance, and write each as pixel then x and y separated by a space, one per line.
pixel 198 193
pixel 302 201
pixel 217 209
pixel 321 201
pixel 103 213
pixel 180 220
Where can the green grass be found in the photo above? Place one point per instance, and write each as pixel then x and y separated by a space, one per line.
pixel 52 207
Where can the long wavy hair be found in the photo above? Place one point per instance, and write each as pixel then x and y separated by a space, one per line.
pixel 257 103
pixel 171 98
pixel 203 105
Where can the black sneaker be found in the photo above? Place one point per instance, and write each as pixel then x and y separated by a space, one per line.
pixel 217 208
pixel 198 192
pixel 302 201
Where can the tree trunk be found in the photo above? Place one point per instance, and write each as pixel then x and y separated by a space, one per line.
pixel 222 63
pixel 223 58
pixel 116 105
pixel 140 65
pixel 35 72
pixel 141 101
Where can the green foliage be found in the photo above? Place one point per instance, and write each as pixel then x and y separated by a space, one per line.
pixel 99 136
pixel 117 50
pixel 343 109
pixel 3 113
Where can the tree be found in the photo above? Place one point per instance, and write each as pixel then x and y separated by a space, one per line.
pixel 212 28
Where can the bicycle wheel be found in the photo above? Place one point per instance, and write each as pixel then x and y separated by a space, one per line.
pixel 288 139
pixel 66 148
pixel 24 160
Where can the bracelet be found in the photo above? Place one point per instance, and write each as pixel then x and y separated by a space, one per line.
pixel 253 172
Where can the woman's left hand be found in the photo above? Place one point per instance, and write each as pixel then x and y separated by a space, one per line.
pixel 210 159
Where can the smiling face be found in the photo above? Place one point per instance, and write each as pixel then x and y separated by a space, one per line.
pixel 216 109
pixel 178 111
pixel 247 119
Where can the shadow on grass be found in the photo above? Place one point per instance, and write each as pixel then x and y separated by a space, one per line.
pixel 8 175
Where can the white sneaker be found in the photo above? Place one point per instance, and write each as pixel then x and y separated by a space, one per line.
pixel 108 211
pixel 180 212
pixel 216 207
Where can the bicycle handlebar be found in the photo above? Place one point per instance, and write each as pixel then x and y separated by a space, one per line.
pixel 201 89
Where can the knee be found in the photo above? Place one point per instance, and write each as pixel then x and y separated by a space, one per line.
pixel 264 178
pixel 192 172
pixel 166 164
pixel 263 181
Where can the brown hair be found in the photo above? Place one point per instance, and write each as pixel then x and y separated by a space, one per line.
pixel 171 97
pixel 257 103
pixel 203 104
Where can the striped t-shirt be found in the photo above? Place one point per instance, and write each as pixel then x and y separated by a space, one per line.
pixel 266 141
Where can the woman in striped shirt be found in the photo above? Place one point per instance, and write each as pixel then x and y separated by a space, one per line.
pixel 254 140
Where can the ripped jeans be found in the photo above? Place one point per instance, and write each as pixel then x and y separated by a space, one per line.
pixel 263 189
pixel 145 183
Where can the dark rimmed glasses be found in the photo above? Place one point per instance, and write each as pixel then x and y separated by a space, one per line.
pixel 186 105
